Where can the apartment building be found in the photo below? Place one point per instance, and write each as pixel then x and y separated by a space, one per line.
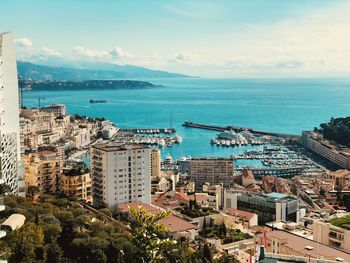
pixel 331 235
pixel 56 109
pixel 337 154
pixel 340 179
pixel 10 165
pixel 155 163
pixel 285 243
pixel 212 170
pixel 121 173
pixel 76 181
pixel 44 170
pixel 81 138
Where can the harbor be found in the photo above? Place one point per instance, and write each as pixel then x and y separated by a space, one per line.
pixel 161 137
pixel 279 160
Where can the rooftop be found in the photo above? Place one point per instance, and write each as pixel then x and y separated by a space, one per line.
pixel 299 244
pixel 113 147
pixel 276 195
pixel 240 213
pixel 172 223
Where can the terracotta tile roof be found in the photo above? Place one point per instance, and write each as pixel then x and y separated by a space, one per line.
pixel 298 244
pixel 170 200
pixel 172 223
pixel 239 213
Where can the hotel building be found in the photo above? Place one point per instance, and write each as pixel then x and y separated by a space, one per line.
pixel 336 154
pixel 121 173
pixel 211 170
pixel 10 162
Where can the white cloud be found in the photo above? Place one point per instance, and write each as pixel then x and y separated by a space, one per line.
pixel 118 53
pixel 24 42
pixel 114 53
pixel 88 53
pixel 51 52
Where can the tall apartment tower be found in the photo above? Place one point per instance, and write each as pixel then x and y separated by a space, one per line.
pixel 155 163
pixel 120 174
pixel 213 170
pixel 10 163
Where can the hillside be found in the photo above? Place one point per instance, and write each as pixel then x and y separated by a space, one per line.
pixel 85 85
pixel 43 72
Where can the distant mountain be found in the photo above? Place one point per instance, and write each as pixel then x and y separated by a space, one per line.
pixel 109 72
pixel 85 85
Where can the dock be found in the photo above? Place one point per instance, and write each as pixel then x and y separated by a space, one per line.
pixel 191 124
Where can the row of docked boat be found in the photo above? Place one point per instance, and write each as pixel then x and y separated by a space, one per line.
pixel 232 143
pixel 155 141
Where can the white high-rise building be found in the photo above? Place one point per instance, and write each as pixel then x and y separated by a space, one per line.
pixel 10 163
pixel 120 174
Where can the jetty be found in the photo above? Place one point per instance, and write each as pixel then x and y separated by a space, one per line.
pixel 191 124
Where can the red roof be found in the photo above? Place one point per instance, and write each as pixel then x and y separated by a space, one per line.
pixel 170 200
pixel 239 213
pixel 172 223
pixel 298 244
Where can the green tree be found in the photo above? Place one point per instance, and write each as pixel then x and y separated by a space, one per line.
pixel 204 224
pixel 207 256
pixel 32 191
pixel 54 253
pixel 149 235
pixel 223 229
pixel 25 243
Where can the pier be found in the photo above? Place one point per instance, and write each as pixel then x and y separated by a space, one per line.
pixel 191 124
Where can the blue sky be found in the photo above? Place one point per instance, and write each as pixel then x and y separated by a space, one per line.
pixel 256 38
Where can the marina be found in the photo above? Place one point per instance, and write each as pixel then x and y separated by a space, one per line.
pixel 279 160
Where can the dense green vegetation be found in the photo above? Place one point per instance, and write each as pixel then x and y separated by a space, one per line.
pixel 59 229
pixel 337 130
pixel 343 222
pixel 194 210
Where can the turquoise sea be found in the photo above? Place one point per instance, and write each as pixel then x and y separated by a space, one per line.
pixel 279 105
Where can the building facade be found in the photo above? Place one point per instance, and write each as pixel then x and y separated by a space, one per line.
pixel 273 207
pixel 330 235
pixel 10 162
pixel 121 173
pixel 57 110
pixel 212 170
pixel 44 170
pixel 155 163
pixel 79 185
pixel 338 155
